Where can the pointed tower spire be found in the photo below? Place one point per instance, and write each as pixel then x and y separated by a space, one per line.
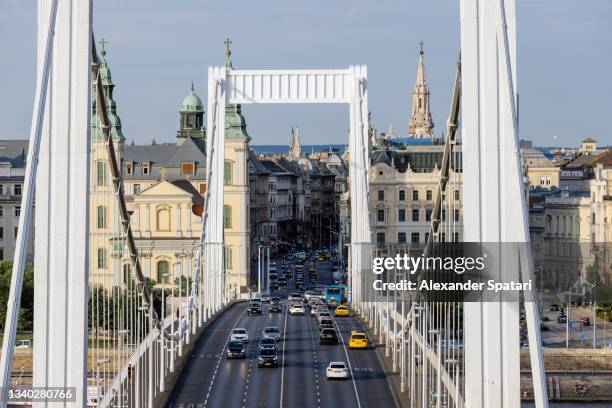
pixel 421 125
pixel 295 150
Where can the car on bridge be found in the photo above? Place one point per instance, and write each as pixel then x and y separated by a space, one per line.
pixel 337 370
pixel 275 306
pixel 267 358
pixel 282 283
pixel 272 332
pixel 297 309
pixel 240 334
pixel 326 324
pixel 323 314
pixel 254 308
pixel 265 298
pixel 358 340
pixel 342 311
pixel 328 336
pixel 267 343
pixel 235 349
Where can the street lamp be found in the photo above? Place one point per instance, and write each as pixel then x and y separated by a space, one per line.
pixel 99 363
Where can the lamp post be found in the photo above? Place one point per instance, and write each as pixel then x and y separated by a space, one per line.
pixel 99 363
pixel 121 333
pixel 436 335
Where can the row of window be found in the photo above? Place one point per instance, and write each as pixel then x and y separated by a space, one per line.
pixel 162 266
pixel 5 189
pixel 16 211
pixel 187 169
pixel 162 218
pixel 415 237
pixel 415 195
pixel 15 229
pixel 401 215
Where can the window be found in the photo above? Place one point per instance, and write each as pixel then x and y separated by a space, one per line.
pixel 455 237
pixel 16 229
pixel 227 173
pixel 136 188
pixel 401 215
pixel 426 236
pixel 443 214
pixel 380 215
pixel 1 232
pixel 162 269
pixel 17 211
pixel 101 214
pixel 101 258
pixel 429 195
pixel 129 168
pixel 381 195
pixel 401 237
pixel 227 216
pixel 188 169
pixel 415 215
pixel 145 168
pixel 456 215
pixel 100 173
pixel 457 197
pixel 227 255
pixel 380 238
pixel 402 195
pixel 428 214
pixel 1 189
pixel 202 188
pixel 443 237
pixel 1 254
pixel 414 237
pixel 127 273
pixel 17 189
pixel 163 219
pixel 415 195
pixel 1 211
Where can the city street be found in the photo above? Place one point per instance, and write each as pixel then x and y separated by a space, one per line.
pixel 211 380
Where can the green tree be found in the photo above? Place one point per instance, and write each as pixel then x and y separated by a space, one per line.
pixel 26 311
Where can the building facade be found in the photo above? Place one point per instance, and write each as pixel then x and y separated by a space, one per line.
pixel 13 156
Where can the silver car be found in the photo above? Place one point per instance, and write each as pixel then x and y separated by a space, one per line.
pixel 272 332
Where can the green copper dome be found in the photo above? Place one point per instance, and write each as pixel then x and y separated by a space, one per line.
pixel 235 125
pixel 191 102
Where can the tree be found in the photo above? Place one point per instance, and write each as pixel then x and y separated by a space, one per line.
pixel 26 310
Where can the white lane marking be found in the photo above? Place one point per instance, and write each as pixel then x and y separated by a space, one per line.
pixel 283 362
pixel 348 359
pixel 221 355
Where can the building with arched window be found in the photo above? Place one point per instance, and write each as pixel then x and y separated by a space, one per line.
pixel 164 185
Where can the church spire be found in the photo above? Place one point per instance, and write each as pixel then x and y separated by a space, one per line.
pixel 421 125
pixel 111 106
pixel 295 150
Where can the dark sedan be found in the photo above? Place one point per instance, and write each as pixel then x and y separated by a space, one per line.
pixel 267 358
pixel 236 349
pixel 328 336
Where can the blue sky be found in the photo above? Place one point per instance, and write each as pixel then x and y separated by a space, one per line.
pixel 156 48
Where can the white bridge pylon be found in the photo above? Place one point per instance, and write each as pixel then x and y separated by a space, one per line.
pixel 346 86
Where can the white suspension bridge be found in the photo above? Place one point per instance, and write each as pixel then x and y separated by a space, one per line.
pixel 134 344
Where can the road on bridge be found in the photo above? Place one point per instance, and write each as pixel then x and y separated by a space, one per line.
pixel 210 380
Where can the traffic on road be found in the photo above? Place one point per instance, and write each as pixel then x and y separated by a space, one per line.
pixel 299 345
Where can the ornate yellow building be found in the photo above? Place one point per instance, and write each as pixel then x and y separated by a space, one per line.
pixel 164 186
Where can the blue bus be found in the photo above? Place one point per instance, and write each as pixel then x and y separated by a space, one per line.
pixel 334 294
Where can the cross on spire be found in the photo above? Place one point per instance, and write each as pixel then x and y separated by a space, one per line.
pixel 421 44
pixel 103 42
pixel 228 52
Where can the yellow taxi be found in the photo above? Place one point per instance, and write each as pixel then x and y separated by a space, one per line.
pixel 358 340
pixel 341 311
